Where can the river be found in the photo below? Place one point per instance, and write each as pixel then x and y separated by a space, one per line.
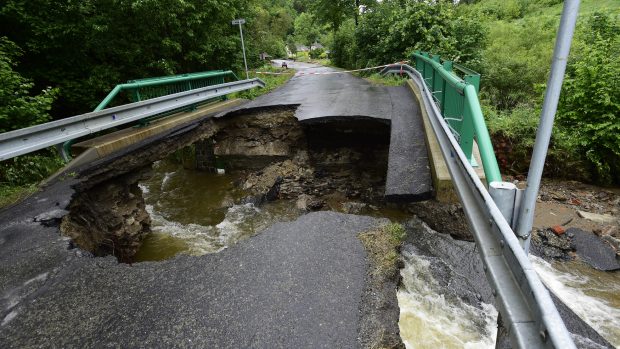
pixel 195 213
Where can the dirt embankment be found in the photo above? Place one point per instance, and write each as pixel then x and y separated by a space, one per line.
pixel 110 218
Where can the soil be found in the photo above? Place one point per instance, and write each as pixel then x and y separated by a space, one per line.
pixel 109 218
pixel 277 157
pixel 557 207
pixel 383 248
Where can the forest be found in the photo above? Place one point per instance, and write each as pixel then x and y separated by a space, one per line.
pixel 59 58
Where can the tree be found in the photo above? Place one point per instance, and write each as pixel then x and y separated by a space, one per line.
pixel 307 31
pixel 391 31
pixel 18 108
pixel 87 47
pixel 290 43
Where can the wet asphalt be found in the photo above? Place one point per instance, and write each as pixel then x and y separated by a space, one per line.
pixel 325 94
pixel 297 284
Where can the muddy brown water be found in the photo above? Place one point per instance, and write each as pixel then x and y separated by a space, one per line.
pixel 194 212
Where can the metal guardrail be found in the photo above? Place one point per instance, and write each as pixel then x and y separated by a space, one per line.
pixel 37 137
pixel 527 310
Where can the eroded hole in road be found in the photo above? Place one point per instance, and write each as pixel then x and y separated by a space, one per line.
pixel 271 168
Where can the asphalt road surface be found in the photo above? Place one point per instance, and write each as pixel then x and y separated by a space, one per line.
pixel 331 95
pixel 324 93
pixel 297 284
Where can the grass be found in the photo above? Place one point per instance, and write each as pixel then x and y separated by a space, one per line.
pixel 322 61
pixel 586 8
pixel 20 176
pixel 302 56
pixel 305 58
pixel 271 81
pixel 382 245
pixel 10 195
pixel 387 80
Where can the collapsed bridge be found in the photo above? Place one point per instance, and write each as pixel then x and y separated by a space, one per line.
pixel 285 287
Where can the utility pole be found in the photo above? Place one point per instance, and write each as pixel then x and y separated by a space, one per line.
pixel 525 216
pixel 240 21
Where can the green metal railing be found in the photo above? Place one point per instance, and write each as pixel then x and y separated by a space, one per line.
pixel 143 89
pixel 457 99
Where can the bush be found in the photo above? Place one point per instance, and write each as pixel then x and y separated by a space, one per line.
pixel 514 63
pixel 344 49
pixel 590 100
pixel 28 169
pixel 316 53
pixel 514 133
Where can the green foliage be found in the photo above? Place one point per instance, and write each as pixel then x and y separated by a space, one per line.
pixel 11 194
pixel 502 9
pixel 307 31
pixel 316 53
pixel 18 108
pixel 87 47
pixel 388 80
pixel 515 64
pixel 290 44
pixel 332 12
pixel 590 99
pixel 28 169
pixel 269 27
pixel 344 48
pixel 514 133
pixel 271 81
pixel 512 63
pixel 392 31
pixel 396 232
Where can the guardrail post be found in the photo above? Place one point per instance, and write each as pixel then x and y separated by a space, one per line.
pixel 474 80
pixel 506 196
pixel 550 104
pixel 437 83
pixel 466 133
pixel 448 67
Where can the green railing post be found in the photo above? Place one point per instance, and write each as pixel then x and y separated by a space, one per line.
pixel 474 80
pixel 466 131
pixel 491 169
pixel 447 66
pixel 419 63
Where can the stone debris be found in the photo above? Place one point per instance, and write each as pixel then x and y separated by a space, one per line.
pixel 551 245
pixel 558 230
pixel 609 230
pixel 353 207
pixel 596 217
pixel 309 203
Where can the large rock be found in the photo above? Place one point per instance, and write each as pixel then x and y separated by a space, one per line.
pixel 598 218
pixel 309 203
pixel 592 250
